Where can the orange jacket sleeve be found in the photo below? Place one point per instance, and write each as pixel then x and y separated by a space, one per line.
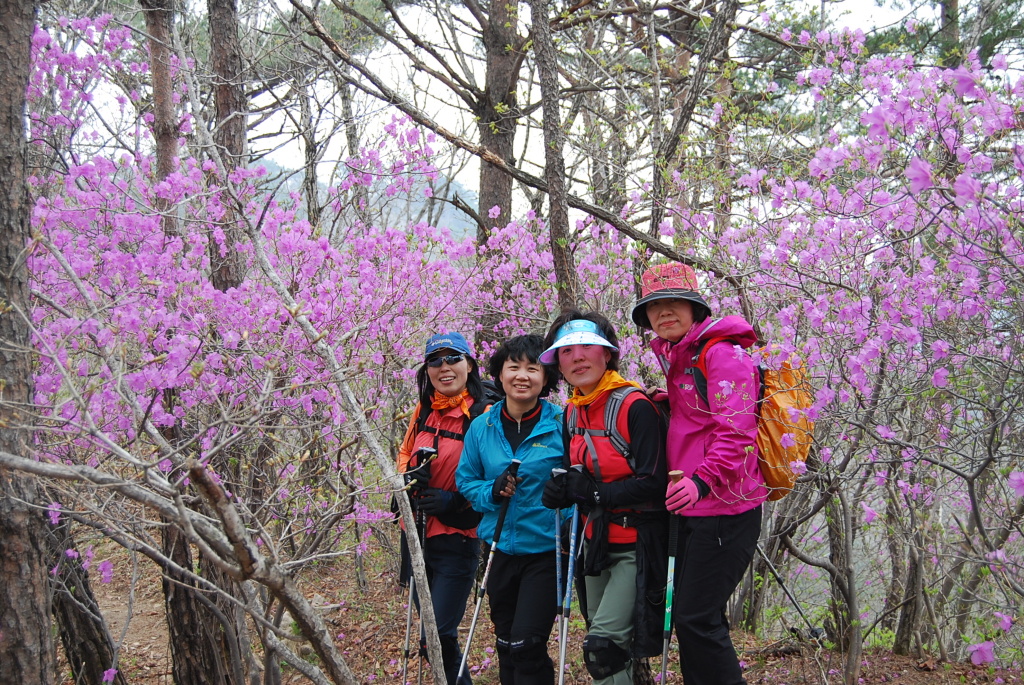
pixel 408 442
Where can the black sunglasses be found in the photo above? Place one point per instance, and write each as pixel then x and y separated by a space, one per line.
pixel 450 360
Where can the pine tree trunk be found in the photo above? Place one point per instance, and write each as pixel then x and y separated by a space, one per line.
pixel 566 278
pixel 159 24
pixel 230 132
pixel 27 652
pixel 195 655
pixel 498 113
pixel 88 646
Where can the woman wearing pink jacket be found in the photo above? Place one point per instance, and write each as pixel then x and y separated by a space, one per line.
pixel 712 440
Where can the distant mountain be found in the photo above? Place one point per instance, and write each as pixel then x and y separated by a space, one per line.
pixel 401 208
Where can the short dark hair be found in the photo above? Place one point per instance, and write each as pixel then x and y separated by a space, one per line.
pixel 700 312
pixel 522 348
pixel 603 325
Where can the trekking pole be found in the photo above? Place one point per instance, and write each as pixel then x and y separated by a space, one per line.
pixel 557 473
pixel 513 469
pixel 563 633
pixel 815 632
pixel 421 532
pixel 423 457
pixel 408 630
pixel 673 542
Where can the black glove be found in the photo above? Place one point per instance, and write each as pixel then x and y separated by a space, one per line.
pixel 556 492
pixel 582 488
pixel 434 501
pixel 417 479
pixel 501 482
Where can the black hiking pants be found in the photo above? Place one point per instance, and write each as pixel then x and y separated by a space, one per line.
pixel 521 589
pixel 713 554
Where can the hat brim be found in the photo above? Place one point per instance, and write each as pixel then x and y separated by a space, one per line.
pixel 639 313
pixel 549 356
pixel 452 350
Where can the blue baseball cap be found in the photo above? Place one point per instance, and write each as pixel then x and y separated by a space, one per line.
pixel 576 332
pixel 447 341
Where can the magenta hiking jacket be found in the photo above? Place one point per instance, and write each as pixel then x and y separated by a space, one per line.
pixel 717 443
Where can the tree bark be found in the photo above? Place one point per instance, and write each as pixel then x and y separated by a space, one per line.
pixel 27 652
pixel 230 130
pixel 88 646
pixel 498 113
pixel 895 543
pixel 567 280
pixel 909 626
pixel 229 94
pixel 949 34
pixel 195 654
pixel 159 18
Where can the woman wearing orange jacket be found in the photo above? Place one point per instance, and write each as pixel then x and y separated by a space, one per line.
pixel 451 395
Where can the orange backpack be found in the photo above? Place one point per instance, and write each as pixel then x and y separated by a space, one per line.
pixel 784 433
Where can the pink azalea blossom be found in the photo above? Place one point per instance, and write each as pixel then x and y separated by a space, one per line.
pixel 869 513
pixel 798 467
pixel 982 652
pixel 106 569
pixel 1016 482
pixel 885 432
pixel 967 189
pixel 1005 621
pixel 919 173
pixel 109 675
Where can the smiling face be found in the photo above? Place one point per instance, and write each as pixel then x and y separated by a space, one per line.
pixel 522 381
pixel 448 379
pixel 583 365
pixel 671 318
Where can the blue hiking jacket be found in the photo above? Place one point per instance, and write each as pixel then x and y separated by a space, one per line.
pixel 529 526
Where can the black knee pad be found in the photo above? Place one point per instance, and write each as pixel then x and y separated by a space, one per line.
pixel 530 655
pixel 503 647
pixel 602 657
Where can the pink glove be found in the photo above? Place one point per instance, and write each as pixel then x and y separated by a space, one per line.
pixel 681 495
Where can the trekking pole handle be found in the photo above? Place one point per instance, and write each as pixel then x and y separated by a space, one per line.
pixel 513 470
pixel 675 476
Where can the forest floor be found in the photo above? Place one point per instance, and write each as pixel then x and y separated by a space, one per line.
pixel 369 625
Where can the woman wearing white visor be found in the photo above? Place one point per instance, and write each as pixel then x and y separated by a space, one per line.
pixel 616 475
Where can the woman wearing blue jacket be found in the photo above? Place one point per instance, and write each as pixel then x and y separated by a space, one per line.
pixel 522 581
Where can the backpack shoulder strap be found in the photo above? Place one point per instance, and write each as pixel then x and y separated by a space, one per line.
pixel 421 424
pixel 421 419
pixel 699 370
pixel 611 419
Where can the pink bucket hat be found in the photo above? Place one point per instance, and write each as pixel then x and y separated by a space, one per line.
pixel 666 282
